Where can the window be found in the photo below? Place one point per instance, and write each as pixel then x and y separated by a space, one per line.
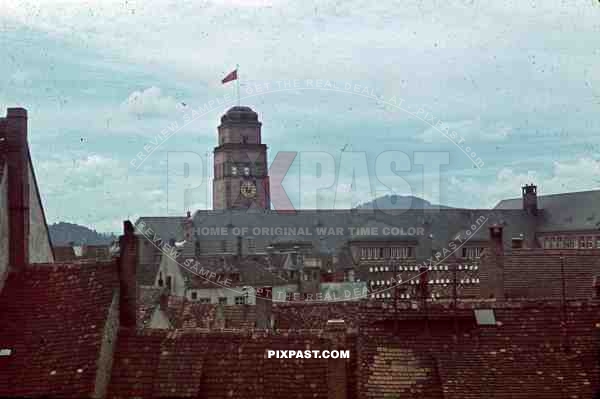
pixel 597 242
pixel 234 170
pixel 169 283
pixel 472 252
pixel 197 249
pixel 244 139
pixel 370 253
pixel 205 300
pixel 246 171
pixel 240 300
pixel 194 295
pixel 251 245
pixel 223 300
pixel 160 279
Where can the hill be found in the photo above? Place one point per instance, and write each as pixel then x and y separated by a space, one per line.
pixel 391 201
pixel 63 233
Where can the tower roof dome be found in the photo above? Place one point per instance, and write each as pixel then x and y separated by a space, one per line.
pixel 240 114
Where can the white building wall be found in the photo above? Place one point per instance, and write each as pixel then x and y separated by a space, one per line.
pixel 40 250
pixel 170 268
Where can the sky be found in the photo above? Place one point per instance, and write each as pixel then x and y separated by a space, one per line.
pixel 517 81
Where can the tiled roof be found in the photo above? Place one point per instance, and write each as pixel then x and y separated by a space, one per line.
pixel 540 273
pixel 52 320
pixel 440 226
pixel 165 228
pixel 253 269
pixel 563 212
pixel 63 254
pixel 215 365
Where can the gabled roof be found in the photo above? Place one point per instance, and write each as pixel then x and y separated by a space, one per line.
pixel 52 320
pixel 563 212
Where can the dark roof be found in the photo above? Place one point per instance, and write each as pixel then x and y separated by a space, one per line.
pixel 439 226
pixel 252 269
pixel 240 114
pixel 163 227
pixel 63 254
pixel 52 319
pixel 563 212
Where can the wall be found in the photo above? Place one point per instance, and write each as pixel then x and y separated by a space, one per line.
pixel 3 226
pixel 107 349
pixel 40 250
pixel 170 267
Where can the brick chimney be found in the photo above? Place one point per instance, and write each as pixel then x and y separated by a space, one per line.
pixel 13 129
pixel 264 308
pixel 530 203
pixel 337 379
pixel 492 265
pixel 128 287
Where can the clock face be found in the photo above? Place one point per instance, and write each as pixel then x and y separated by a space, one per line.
pixel 248 189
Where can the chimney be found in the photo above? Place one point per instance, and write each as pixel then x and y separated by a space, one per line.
pixel 423 285
pixel 337 380
pixel 13 129
pixel 188 227
pixel 530 204
pixel 163 301
pixel 128 287
pixel 492 266
pixel 496 239
pixel 264 308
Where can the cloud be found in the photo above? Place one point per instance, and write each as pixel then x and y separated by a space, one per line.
pixel 566 176
pixel 473 130
pixel 149 102
pixel 97 191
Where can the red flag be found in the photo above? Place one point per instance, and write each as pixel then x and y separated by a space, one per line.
pixel 231 76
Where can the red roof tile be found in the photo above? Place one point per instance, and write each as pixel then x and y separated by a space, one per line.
pixel 215 365
pixel 52 320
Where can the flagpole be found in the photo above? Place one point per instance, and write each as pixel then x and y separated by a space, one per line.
pixel 237 83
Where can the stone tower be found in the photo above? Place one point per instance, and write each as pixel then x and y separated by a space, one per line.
pixel 241 179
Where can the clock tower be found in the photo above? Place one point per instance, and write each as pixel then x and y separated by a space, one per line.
pixel 241 179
